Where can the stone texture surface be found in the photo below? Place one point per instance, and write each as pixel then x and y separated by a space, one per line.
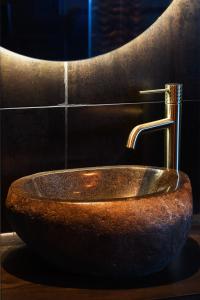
pixel 167 51
pixel 25 81
pixel 117 222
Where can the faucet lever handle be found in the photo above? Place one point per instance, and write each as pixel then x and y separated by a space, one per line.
pixel 158 91
pixel 173 93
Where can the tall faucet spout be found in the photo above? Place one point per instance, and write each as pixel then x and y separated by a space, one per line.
pixel 172 123
pixel 155 125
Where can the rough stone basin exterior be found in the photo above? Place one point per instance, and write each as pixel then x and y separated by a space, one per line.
pixel 118 222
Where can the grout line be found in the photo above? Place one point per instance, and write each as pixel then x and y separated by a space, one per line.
pixel 66 105
pixel 32 107
pixel 66 114
pixel 66 82
pixel 75 105
pixel 111 104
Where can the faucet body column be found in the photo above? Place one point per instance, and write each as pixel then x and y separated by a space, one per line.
pixel 173 110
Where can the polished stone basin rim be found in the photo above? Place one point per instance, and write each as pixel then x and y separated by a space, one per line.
pixel 99 184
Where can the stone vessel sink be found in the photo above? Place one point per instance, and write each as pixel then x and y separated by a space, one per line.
pixel 118 222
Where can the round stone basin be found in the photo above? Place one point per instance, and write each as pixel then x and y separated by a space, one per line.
pixel 115 221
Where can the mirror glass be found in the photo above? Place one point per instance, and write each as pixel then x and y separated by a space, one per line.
pixel 74 29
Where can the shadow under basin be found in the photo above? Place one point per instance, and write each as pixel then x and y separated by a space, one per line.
pixel 24 264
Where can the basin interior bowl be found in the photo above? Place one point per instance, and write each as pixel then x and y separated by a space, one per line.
pixel 101 184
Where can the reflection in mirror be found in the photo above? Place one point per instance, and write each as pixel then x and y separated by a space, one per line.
pixel 74 29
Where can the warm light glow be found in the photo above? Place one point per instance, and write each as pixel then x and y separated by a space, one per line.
pixel 90 174
pixel 91 179
pixel 24 57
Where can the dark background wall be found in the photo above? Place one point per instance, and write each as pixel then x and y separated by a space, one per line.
pixel 79 134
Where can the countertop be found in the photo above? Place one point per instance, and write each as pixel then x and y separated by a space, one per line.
pixel 25 276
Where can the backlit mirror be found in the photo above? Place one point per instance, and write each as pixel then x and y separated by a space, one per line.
pixel 74 29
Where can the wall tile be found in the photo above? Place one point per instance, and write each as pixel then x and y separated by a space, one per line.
pixel 98 135
pixel 31 141
pixel 30 82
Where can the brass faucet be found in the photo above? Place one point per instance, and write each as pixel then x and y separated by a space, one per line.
pixel 172 123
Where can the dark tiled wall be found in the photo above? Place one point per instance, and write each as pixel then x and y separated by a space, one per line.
pixel 31 141
pixel 30 82
pixel 98 135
